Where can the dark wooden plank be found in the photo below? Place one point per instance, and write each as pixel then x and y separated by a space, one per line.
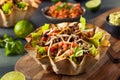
pixel 108 71
pixel 33 71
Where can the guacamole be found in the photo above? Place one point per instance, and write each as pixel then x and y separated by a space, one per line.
pixel 114 18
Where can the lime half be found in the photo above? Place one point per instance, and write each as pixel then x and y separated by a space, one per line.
pixel 13 75
pixel 93 5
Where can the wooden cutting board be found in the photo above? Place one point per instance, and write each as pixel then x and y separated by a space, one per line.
pixel 104 70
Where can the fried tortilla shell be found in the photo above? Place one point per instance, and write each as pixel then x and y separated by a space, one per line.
pixel 67 66
pixel 44 60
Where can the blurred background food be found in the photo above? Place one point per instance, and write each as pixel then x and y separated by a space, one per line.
pixel 113 24
pixel 12 11
pixel 65 10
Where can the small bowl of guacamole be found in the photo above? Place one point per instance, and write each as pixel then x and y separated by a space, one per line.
pixel 113 24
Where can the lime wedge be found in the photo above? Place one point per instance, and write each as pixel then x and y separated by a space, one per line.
pixel 93 5
pixel 13 75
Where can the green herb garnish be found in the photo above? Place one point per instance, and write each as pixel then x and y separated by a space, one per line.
pixel 63 5
pixel 21 5
pixel 12 46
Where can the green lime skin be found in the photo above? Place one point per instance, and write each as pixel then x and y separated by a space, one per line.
pixel 93 5
pixel 23 28
pixel 13 75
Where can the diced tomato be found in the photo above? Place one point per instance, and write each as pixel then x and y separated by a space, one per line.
pixel 90 54
pixel 74 44
pixel 61 44
pixel 53 47
pixel 52 34
pixel 65 47
pixel 44 38
pixel 46 48
pixel 55 31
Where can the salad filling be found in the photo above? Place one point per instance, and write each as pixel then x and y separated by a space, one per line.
pixel 22 5
pixel 67 41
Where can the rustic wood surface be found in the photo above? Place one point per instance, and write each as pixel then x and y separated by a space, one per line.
pixel 105 70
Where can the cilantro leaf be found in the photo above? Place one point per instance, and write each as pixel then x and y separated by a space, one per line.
pixel 45 27
pixel 14 48
pixel 77 53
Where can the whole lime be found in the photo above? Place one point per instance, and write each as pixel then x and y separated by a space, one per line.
pixel 23 28
pixel 93 5
pixel 13 75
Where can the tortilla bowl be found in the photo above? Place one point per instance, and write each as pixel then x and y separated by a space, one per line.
pixel 65 65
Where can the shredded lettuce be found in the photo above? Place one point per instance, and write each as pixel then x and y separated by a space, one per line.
pixel 41 50
pixel 21 5
pixel 7 7
pixel 45 27
pixel 37 35
pixel 77 52
pixel 96 38
pixel 94 50
pixel 83 22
